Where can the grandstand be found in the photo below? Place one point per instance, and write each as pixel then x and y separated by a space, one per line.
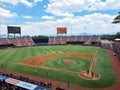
pixel 74 40
pixel 17 41
pixel 115 46
pixel 106 44
pixel 59 40
pixel 3 41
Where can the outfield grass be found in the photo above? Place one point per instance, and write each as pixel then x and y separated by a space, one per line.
pixel 10 58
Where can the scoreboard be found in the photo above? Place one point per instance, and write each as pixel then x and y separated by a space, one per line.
pixel 61 30
pixel 14 29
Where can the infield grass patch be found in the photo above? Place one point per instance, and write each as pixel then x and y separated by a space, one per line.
pixel 78 65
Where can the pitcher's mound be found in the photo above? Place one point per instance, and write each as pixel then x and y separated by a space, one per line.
pixel 68 62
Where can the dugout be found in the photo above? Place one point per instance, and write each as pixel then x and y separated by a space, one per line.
pixel 75 42
pixel 3 46
pixel 40 41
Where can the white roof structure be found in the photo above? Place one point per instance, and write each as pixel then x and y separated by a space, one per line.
pixel 116 19
pixel 117 39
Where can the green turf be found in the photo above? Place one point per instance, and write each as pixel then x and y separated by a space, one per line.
pixel 10 58
pixel 79 64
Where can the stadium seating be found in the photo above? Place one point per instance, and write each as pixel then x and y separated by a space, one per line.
pixel 3 41
pixel 17 41
pixel 64 40
pixel 116 48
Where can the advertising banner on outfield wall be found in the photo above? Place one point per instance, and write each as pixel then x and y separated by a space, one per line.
pixel 22 84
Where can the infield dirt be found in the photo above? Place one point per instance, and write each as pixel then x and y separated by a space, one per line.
pixel 39 60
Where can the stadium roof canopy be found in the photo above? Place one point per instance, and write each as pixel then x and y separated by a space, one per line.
pixel 117 39
pixel 116 19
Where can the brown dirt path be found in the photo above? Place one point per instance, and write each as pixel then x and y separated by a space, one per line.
pixel 37 61
pixel 116 66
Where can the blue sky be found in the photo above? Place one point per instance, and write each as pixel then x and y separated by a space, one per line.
pixel 42 17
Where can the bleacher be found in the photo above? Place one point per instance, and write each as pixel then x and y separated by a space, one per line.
pixel 79 38
pixel 13 41
pixel 71 39
pixel 106 44
pixel 30 41
pixel 116 48
pixel 17 41
pixel 3 41
pixel 63 40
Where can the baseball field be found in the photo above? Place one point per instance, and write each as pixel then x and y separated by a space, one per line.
pixel 62 63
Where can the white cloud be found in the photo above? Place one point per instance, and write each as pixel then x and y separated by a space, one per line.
pixel 6 13
pixel 65 14
pixel 38 1
pixel 15 2
pixel 63 7
pixel 58 6
pixel 24 2
pixel 95 23
pixel 48 17
pixel 27 17
pixel 112 4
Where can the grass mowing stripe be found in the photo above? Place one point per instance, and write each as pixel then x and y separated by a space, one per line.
pixel 9 55
pixel 24 53
pixel 2 53
pixel 78 65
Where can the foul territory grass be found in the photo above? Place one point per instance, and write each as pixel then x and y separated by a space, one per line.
pixel 10 59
